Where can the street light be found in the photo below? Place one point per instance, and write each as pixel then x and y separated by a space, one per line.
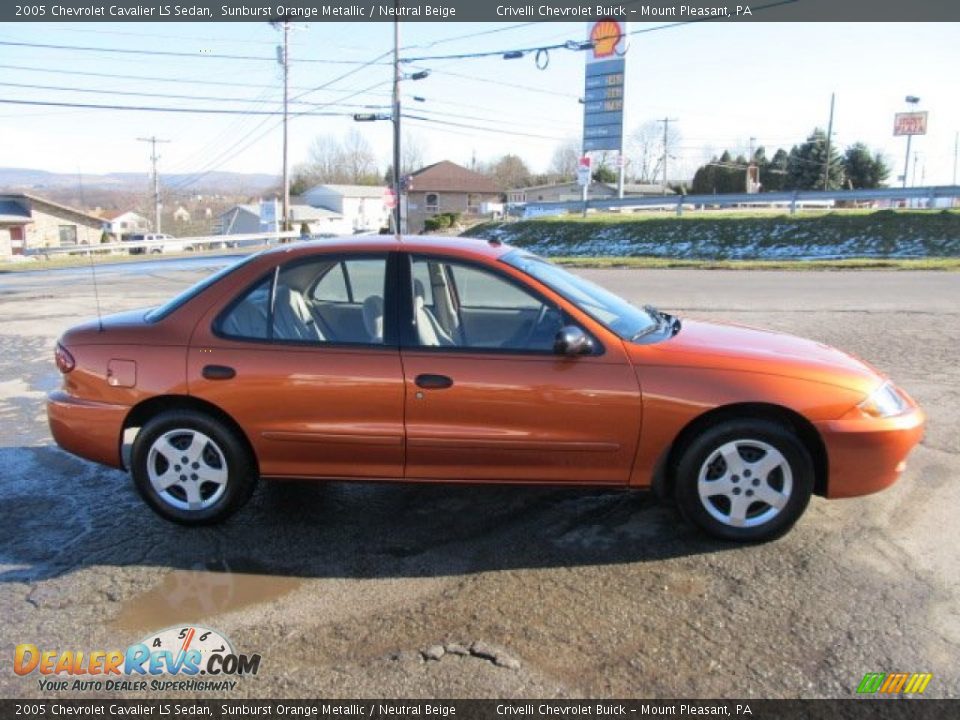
pixel 910 100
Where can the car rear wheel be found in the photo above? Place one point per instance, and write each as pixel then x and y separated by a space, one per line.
pixel 745 480
pixel 191 468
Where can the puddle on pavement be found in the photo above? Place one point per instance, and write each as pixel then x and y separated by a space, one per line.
pixel 187 596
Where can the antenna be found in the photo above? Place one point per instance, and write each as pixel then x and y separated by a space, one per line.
pixel 96 289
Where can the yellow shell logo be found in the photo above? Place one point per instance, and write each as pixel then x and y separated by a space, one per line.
pixel 605 35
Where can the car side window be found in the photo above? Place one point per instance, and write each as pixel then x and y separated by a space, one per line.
pixel 459 305
pixel 248 317
pixel 320 301
pixel 332 287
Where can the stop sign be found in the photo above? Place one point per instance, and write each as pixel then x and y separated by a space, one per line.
pixel 389 198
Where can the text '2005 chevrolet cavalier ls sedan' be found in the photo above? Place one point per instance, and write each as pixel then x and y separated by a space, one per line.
pixel 454 360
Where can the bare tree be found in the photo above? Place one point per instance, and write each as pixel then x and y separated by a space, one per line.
pixel 330 160
pixel 565 159
pixel 412 152
pixel 358 159
pixel 325 160
pixel 644 150
pixel 509 171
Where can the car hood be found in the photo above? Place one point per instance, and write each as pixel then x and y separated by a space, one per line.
pixel 728 346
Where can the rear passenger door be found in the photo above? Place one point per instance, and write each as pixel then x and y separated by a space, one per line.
pixel 317 394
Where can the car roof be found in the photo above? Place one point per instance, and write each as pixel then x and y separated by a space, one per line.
pixel 464 247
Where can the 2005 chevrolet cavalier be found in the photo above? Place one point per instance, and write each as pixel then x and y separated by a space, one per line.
pixel 452 360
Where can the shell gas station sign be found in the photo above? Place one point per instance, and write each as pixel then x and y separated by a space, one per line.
pixel 604 85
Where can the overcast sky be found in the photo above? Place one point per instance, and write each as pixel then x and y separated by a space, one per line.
pixel 724 83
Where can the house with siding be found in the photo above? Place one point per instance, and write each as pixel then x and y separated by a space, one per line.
pixel 29 222
pixel 361 206
pixel 446 187
pixel 125 222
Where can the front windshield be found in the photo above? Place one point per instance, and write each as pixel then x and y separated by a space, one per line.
pixel 615 313
pixel 159 313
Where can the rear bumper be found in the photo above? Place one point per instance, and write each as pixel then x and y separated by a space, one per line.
pixel 867 455
pixel 90 430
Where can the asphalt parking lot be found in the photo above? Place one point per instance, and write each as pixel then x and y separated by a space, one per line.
pixel 561 593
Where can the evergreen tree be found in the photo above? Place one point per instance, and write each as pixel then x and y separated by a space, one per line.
pixel 806 164
pixel 863 169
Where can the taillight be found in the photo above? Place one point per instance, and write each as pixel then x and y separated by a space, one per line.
pixel 65 361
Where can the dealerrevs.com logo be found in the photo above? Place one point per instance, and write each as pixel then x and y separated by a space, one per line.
pixel 190 659
pixel 894 683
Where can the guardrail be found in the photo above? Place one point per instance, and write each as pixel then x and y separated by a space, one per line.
pixel 185 244
pixel 792 199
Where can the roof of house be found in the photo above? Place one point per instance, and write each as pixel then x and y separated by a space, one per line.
pixel 49 203
pixel 362 191
pixel 301 213
pixel 112 215
pixel 628 188
pixel 446 176
pixel 298 212
pixel 252 209
pixel 13 212
pixel 645 189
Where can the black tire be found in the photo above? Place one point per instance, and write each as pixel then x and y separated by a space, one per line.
pixel 219 453
pixel 746 442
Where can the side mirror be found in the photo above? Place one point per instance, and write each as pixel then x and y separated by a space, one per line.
pixel 571 340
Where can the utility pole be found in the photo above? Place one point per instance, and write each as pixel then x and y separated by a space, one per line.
pixel 956 147
pixel 826 161
pixel 283 58
pixel 914 101
pixel 396 122
pixel 666 124
pixel 153 140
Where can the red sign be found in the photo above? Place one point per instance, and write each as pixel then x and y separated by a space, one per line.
pixel 910 123
pixel 585 162
pixel 389 198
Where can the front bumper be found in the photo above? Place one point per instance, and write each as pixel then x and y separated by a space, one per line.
pixel 88 429
pixel 865 454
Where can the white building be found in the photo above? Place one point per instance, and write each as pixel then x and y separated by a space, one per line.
pixel 125 222
pixel 360 206
pixel 246 220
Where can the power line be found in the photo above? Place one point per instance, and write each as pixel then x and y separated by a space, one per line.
pixel 226 155
pixel 427 46
pixel 171 53
pixel 169 96
pixel 328 83
pixel 497 131
pixel 147 108
pixel 502 83
pixel 154 78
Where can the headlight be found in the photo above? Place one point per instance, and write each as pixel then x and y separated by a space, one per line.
pixel 886 401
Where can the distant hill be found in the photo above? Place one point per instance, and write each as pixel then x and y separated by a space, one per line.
pixel 229 183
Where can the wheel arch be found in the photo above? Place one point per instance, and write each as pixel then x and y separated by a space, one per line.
pixel 141 413
pixel 664 476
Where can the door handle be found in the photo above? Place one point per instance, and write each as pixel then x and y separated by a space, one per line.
pixel 434 382
pixel 218 372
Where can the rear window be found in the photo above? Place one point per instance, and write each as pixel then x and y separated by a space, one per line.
pixel 160 312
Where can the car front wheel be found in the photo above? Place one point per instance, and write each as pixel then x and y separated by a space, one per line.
pixel 191 468
pixel 745 480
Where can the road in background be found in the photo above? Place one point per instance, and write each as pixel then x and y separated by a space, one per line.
pixel 341 586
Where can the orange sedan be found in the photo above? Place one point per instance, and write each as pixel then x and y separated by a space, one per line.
pixel 455 360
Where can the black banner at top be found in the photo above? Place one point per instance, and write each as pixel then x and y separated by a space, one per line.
pixel 638 11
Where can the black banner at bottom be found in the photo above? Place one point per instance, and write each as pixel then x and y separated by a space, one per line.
pixel 892 709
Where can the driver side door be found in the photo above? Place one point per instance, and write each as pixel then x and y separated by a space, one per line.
pixel 487 398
